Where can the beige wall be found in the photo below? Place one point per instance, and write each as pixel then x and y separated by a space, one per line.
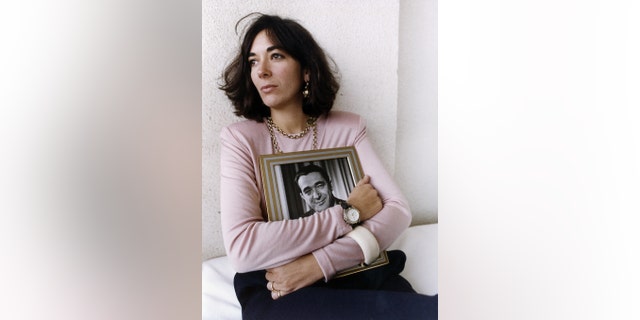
pixel 363 38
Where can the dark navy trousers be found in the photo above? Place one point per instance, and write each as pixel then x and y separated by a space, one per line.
pixel 379 293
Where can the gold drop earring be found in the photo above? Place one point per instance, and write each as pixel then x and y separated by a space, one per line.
pixel 305 91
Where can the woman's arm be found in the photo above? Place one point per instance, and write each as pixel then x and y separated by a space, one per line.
pixel 386 225
pixel 251 242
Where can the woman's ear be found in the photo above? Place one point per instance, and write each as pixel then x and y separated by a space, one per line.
pixel 306 74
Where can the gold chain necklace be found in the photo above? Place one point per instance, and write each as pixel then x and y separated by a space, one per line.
pixel 311 124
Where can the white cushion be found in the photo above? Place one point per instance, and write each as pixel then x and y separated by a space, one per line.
pixel 420 243
pixel 218 295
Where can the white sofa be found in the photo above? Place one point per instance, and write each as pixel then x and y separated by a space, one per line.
pixel 420 243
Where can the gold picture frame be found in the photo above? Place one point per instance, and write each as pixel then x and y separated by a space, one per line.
pixel 283 197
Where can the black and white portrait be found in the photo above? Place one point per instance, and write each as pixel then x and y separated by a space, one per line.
pixel 310 187
pixel 298 185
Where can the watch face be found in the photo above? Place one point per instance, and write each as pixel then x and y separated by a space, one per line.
pixel 353 215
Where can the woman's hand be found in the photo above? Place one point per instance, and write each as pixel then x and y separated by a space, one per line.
pixel 365 198
pixel 294 275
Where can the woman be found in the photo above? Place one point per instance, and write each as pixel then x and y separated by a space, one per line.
pixel 282 84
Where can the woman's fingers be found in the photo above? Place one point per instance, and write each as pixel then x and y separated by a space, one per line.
pixel 362 181
pixel 277 294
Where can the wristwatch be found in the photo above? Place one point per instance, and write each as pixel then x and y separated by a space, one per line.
pixel 351 215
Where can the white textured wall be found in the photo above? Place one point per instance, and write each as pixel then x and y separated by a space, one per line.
pixel 417 135
pixel 360 35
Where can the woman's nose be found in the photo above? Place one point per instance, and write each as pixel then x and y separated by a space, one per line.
pixel 263 69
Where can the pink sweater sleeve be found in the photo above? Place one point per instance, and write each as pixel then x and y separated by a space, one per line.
pixel 251 242
pixel 386 226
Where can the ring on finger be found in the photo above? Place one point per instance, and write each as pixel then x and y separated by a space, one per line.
pixel 279 293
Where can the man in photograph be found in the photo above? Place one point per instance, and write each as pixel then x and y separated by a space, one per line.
pixel 315 189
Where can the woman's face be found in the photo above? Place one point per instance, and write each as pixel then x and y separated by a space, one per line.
pixel 276 75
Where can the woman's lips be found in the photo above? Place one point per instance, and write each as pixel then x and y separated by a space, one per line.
pixel 268 88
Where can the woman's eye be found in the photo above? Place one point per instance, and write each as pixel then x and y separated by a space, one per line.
pixel 252 62
pixel 277 56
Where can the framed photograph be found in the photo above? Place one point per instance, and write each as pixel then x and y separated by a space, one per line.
pixel 299 184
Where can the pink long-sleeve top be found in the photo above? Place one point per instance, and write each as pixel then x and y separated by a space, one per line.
pixel 254 243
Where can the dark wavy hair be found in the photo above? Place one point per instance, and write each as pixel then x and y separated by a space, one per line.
pixel 298 42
